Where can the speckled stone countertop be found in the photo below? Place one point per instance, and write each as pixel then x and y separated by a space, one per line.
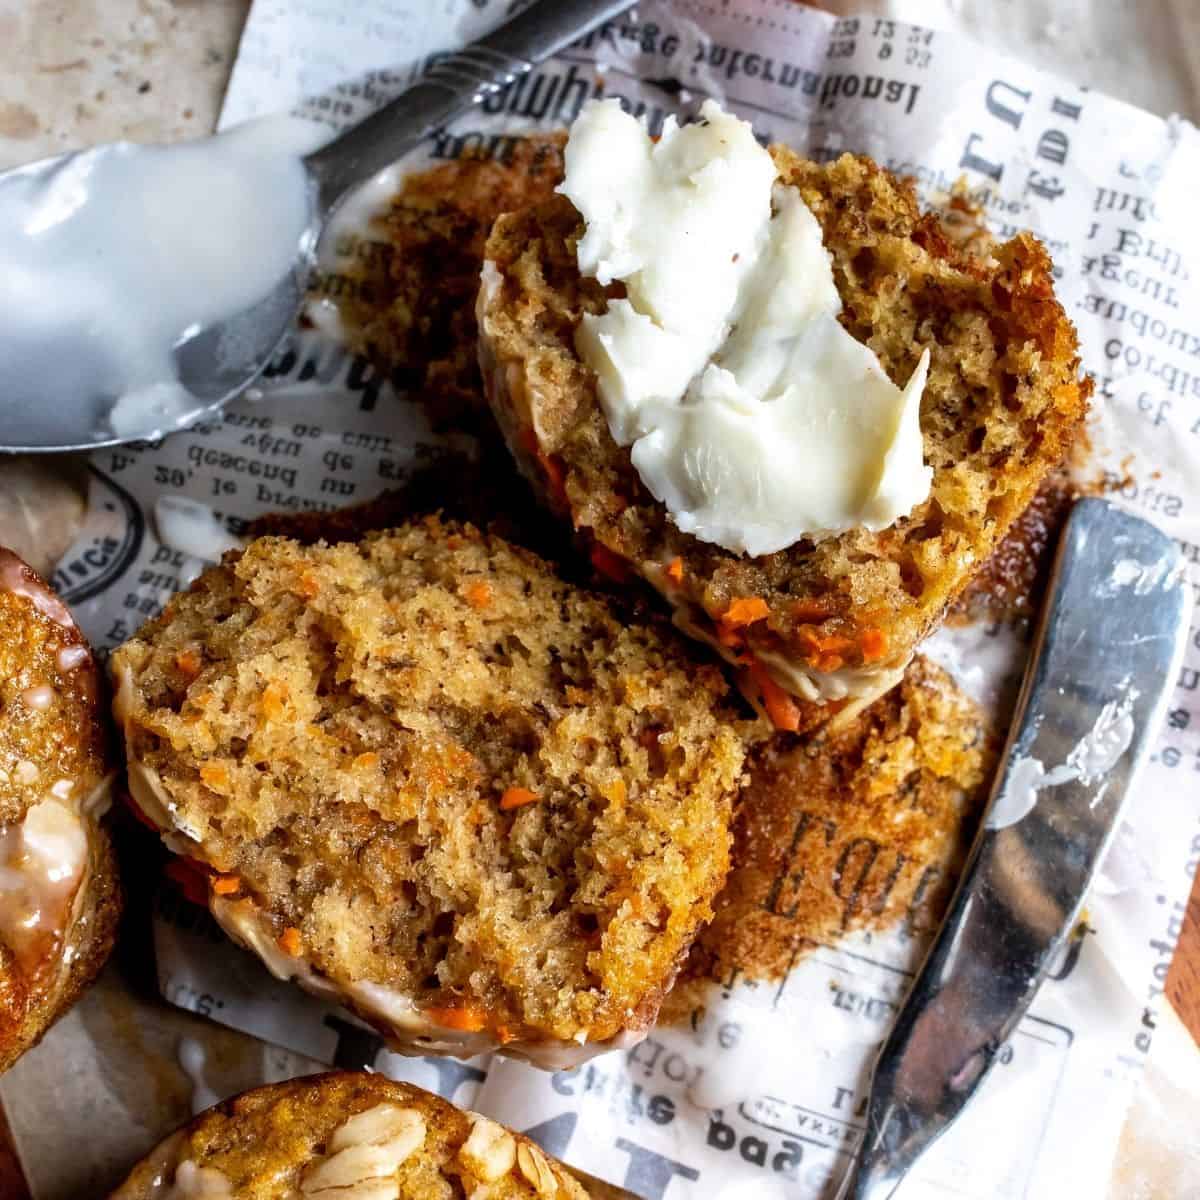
pixel 75 72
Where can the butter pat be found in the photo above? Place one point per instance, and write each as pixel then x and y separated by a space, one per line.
pixel 751 414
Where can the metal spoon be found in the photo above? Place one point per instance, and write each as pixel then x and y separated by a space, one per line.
pixel 1106 658
pixel 219 361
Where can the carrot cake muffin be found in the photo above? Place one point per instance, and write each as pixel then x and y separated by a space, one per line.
pixel 59 900
pixel 903 396
pixel 432 781
pixel 407 298
pixel 863 827
pixel 346 1136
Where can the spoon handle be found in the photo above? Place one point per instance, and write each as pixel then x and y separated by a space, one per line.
pixel 1106 656
pixel 451 85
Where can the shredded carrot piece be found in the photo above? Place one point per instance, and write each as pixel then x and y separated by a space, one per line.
pixel 468 1017
pixel 214 776
pixel 504 1035
pixel 274 700
pixel 517 797
pixel 745 610
pixel 226 885
pixel 289 941
pixel 830 662
pixel 188 662
pixel 675 570
pixel 307 586
pixel 874 645
pixel 364 762
pixel 615 792
pixel 478 594
pixel 728 636
pixel 191 878
pixel 822 648
pixel 781 708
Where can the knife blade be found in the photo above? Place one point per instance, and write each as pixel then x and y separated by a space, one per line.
pixel 1106 654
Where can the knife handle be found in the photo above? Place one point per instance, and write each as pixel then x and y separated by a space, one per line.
pixel 1105 657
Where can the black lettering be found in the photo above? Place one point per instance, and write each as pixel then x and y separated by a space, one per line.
pixel 1000 110
pixel 976 162
pixel 1053 146
pixel 648 1174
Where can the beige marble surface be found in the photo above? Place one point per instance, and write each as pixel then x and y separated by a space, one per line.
pixel 75 72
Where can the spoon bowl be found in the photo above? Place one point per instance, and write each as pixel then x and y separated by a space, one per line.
pixel 148 286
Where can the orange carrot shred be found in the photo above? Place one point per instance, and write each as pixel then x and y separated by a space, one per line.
pixel 478 594
pixel 274 700
pixel 307 586
pixel 214 776
pixel 289 941
pixel 615 793
pixel 819 648
pixel 468 1017
pixel 781 708
pixel 874 645
pixel 226 885
pixel 745 610
pixel 728 636
pixel 517 797
pixel 675 570
pixel 188 662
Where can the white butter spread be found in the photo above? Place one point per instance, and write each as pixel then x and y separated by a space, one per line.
pixel 753 416
pixel 1089 760
pixel 192 528
pixel 114 258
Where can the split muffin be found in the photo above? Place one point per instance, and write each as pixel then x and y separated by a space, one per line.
pixel 429 779
pixel 864 827
pixel 59 898
pixel 346 1136
pixel 826 623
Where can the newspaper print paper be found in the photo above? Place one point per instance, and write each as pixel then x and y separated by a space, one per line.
pixel 762 1096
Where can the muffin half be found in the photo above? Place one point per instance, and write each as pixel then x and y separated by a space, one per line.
pixel 346 1136
pixel 430 780
pixel 823 624
pixel 860 828
pixel 59 898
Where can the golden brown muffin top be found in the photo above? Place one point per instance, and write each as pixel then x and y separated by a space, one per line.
pixel 862 828
pixel 53 767
pixel 346 1136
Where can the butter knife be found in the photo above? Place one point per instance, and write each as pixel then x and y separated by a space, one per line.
pixel 1106 656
